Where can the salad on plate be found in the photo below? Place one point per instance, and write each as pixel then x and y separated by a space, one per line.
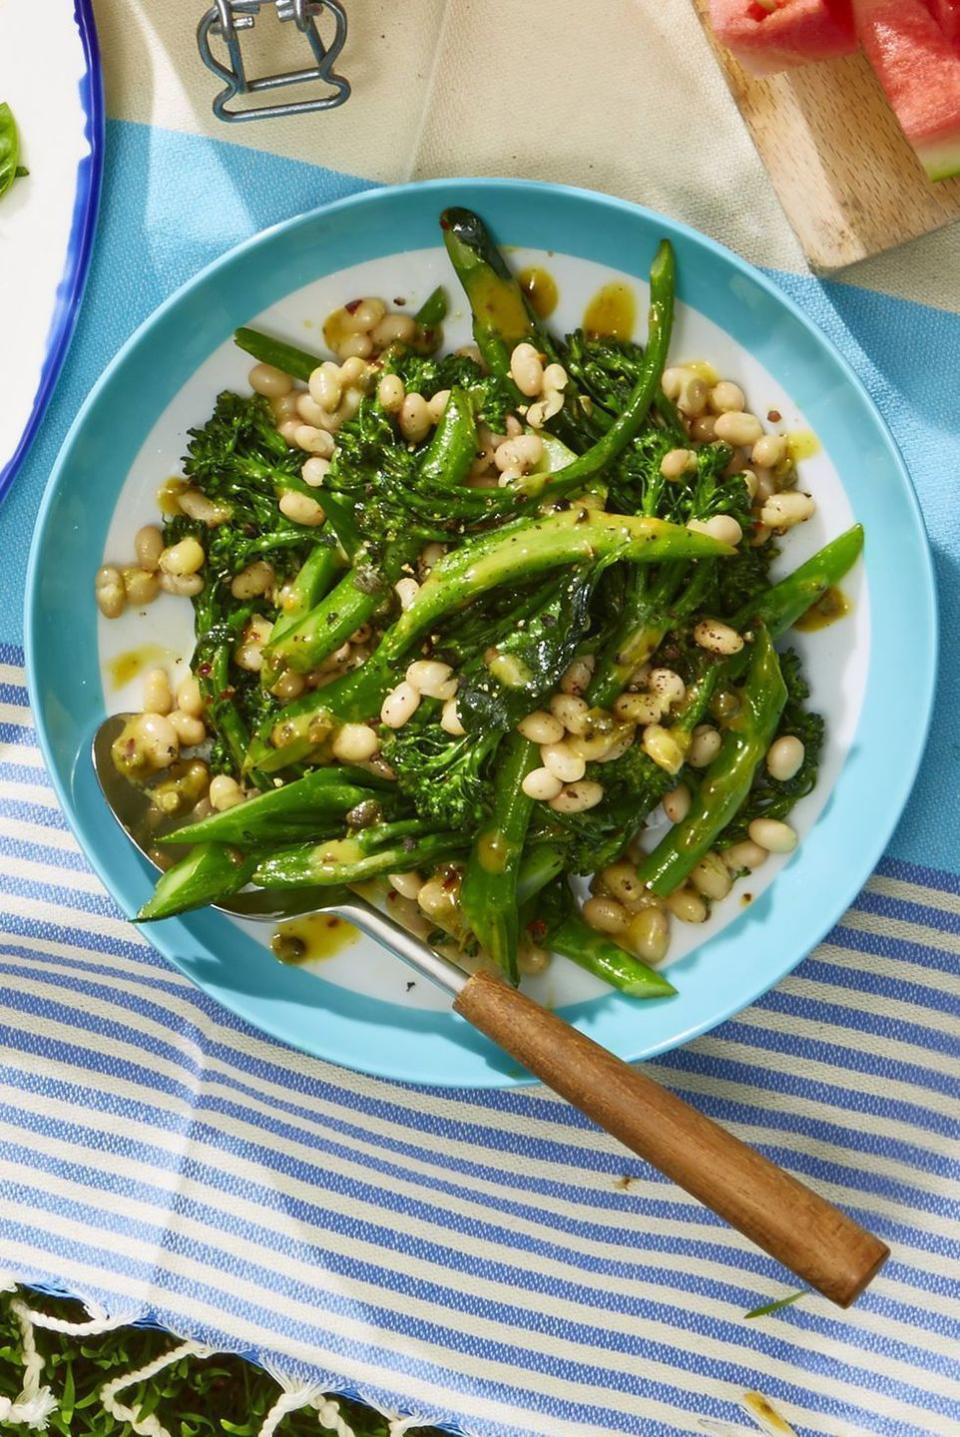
pixel 490 635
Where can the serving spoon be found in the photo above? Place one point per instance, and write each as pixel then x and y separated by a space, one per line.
pixel 818 1242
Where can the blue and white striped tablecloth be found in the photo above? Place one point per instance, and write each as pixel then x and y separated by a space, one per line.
pixel 485 1259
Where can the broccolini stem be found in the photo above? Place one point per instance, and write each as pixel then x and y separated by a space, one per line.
pixel 451 452
pixel 301 809
pixel 297 362
pixel 624 428
pixel 541 862
pixel 727 781
pixel 488 894
pixel 350 860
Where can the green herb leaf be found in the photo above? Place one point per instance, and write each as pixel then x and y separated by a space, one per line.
pixel 769 1307
pixel 10 166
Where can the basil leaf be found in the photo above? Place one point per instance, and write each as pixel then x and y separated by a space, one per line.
pixel 9 149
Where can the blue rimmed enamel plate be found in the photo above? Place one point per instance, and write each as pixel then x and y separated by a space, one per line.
pixel 872 673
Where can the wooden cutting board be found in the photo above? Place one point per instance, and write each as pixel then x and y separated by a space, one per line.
pixel 850 184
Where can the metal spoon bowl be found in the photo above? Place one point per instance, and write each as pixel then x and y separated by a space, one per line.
pixel 131 807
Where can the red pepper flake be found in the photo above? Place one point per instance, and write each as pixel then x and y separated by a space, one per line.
pixel 444 222
pixel 203 670
pixel 333 922
pixel 537 930
pixel 774 416
pixel 399 300
pixel 353 305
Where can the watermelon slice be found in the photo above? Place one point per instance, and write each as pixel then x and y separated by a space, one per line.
pixel 780 34
pixel 947 15
pixel 920 71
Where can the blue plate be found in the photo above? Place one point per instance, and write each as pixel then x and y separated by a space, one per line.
pixel 815 887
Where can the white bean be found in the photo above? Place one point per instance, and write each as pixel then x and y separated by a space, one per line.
pixel 269 381
pixel 197 506
pixel 189 730
pixel 722 527
pixel 727 397
pixel 315 471
pixel 541 727
pixel 437 405
pixel 688 906
pixel 301 509
pixel 290 685
pixel 355 346
pixel 605 915
pixel 717 637
pixel 406 591
pixel 745 854
pixel 252 581
pixel 432 678
pixel 711 877
pixel 391 393
pixel 140 585
pixel 576 677
pixel 286 406
pixel 737 428
pixel 450 719
pixel 555 377
pixel 672 379
pixel 288 430
pixel 360 316
pixel 408 885
pixel 148 546
pixel 692 399
pixel 415 418
pixel 394 329
pixel 526 370
pixel 312 413
pixel 774 836
pixel 621 880
pixel 667 685
pixel 184 586
pixel 572 712
pixel 785 758
pixel 542 785
pixel 224 793
pixel 677 462
pixel 676 803
pixel 703 429
pixel 562 762
pixel 660 745
pixel 157 698
pixel 783 511
pixel 578 797
pixel 523 453
pixel 189 697
pixel 326 385
pixel 184 558
pixel 769 450
pixel 400 705
pixel 155 739
pixel 648 935
pixel 704 746
pixel 355 743
pixel 430 556
pixel 638 708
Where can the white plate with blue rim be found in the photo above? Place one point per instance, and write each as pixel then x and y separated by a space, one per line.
pixel 50 80
pixel 871 675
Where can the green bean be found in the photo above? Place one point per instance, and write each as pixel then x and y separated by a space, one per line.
pixel 501 316
pixel 433 311
pixel 293 361
pixel 210 873
pixel 488 894
pixel 782 605
pixel 727 781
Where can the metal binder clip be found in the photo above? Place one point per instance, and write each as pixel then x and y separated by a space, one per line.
pixel 226 18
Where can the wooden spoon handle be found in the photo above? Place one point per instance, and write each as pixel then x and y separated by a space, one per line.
pixel 814 1239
